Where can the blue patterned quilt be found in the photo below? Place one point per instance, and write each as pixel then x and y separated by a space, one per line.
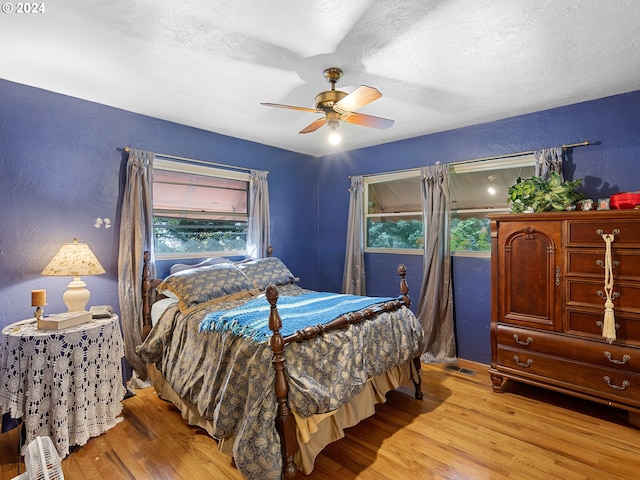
pixel 296 312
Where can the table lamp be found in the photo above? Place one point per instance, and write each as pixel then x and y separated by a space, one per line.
pixel 74 260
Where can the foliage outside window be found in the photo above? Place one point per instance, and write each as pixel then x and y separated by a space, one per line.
pixel 199 211
pixel 470 234
pixel 393 213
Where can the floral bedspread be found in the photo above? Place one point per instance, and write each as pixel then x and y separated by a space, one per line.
pixel 231 379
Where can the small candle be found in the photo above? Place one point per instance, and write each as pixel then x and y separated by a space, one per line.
pixel 38 298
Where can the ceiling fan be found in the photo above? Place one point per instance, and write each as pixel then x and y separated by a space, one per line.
pixel 339 106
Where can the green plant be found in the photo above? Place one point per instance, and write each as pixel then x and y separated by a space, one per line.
pixel 537 195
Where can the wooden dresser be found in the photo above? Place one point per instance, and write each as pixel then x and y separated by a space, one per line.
pixel 548 303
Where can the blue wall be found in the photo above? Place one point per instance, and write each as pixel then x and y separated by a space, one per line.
pixel 61 166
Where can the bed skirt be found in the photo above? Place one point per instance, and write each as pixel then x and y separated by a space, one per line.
pixel 314 433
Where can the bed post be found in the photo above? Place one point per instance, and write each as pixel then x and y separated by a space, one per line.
pixel 285 423
pixel 146 296
pixel 404 288
pixel 404 293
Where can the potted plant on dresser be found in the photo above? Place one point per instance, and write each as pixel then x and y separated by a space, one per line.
pixel 537 195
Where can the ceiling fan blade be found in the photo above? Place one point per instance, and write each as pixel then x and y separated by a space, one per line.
pixel 314 126
pixel 360 97
pixel 367 120
pixel 290 107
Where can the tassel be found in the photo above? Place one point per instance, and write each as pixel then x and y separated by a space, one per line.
pixel 609 325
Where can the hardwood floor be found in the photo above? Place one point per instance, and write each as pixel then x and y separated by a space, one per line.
pixel 460 430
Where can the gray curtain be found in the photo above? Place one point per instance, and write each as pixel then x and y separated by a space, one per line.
pixel 136 236
pixel 548 160
pixel 259 228
pixel 435 307
pixel 353 279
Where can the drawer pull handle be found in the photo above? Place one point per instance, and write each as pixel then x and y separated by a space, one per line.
pixel 525 365
pixel 625 359
pixel 614 295
pixel 600 323
pixel 600 263
pixel 615 231
pixel 625 384
pixel 529 340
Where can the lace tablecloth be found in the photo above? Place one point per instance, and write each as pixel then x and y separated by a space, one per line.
pixel 65 384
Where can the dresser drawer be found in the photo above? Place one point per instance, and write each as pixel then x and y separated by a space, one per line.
pixel 585 232
pixel 596 352
pixel 590 262
pixel 591 293
pixel 589 323
pixel 606 383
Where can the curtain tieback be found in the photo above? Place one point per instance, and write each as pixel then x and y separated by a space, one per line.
pixel 609 324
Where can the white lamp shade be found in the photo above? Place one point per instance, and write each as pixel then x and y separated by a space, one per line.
pixel 73 260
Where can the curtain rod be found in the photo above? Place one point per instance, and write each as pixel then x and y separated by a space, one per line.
pixel 201 162
pixel 509 155
pixel 520 154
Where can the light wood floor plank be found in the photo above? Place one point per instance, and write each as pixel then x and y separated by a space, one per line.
pixel 461 430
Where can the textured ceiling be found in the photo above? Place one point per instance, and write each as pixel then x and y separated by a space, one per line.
pixel 439 64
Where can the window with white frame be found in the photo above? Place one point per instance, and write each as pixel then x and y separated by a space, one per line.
pixel 393 213
pixel 393 210
pixel 199 211
pixel 476 189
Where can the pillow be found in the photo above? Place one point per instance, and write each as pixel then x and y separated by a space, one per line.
pixel 179 267
pixel 266 271
pixel 201 285
pixel 159 307
pixel 168 294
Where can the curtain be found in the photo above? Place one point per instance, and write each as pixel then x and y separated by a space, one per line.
pixel 435 307
pixel 136 236
pixel 259 228
pixel 353 280
pixel 548 160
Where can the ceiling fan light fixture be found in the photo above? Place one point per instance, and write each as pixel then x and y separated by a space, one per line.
pixel 333 121
pixel 334 137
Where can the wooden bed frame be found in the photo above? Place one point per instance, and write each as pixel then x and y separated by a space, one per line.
pixel 285 422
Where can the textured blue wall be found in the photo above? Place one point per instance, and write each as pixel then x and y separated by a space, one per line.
pixel 608 167
pixel 61 167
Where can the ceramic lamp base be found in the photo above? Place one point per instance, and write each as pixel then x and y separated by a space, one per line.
pixel 76 296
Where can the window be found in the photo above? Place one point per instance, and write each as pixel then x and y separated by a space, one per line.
pixel 393 209
pixel 199 211
pixel 393 213
pixel 476 189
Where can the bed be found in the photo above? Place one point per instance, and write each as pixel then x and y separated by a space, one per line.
pixel 272 371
